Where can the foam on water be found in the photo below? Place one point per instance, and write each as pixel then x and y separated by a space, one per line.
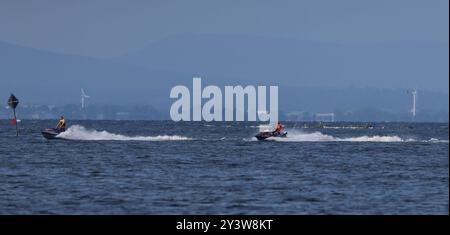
pixel 295 136
pixel 77 132
pixel 375 138
pixel 434 140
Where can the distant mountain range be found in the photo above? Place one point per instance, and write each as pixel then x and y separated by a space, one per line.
pixel 48 78
pixel 300 63
pixel 312 76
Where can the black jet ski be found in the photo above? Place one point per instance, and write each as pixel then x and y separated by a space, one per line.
pixel 267 134
pixel 52 133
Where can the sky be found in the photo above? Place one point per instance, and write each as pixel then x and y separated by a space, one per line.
pixel 110 28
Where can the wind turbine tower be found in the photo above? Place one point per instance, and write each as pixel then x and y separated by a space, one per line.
pixel 83 96
pixel 414 95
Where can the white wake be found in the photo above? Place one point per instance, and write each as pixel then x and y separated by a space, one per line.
pixel 77 132
pixel 296 136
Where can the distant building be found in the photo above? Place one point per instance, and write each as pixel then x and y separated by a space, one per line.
pixel 122 115
pixel 298 116
pixel 324 117
pixel 100 116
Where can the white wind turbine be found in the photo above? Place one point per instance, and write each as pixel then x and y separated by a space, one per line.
pixel 414 96
pixel 83 96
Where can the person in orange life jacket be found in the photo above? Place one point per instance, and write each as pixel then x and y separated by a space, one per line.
pixel 279 128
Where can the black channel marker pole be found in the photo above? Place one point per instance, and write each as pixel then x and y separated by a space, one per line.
pixel 13 102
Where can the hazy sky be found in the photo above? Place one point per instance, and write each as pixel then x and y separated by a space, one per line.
pixel 105 28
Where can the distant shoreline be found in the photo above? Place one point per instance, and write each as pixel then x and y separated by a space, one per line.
pixel 286 121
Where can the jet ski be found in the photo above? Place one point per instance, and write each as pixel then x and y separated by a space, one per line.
pixel 267 134
pixel 51 133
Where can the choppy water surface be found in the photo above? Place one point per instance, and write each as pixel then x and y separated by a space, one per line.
pixel 163 167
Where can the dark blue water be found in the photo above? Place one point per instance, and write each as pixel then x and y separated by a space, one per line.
pixel 140 167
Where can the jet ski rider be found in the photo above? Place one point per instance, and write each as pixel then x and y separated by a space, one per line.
pixel 61 124
pixel 279 128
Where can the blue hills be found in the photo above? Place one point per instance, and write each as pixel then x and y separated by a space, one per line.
pixel 312 76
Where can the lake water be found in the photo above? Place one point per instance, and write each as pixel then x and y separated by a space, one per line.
pixel 164 167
